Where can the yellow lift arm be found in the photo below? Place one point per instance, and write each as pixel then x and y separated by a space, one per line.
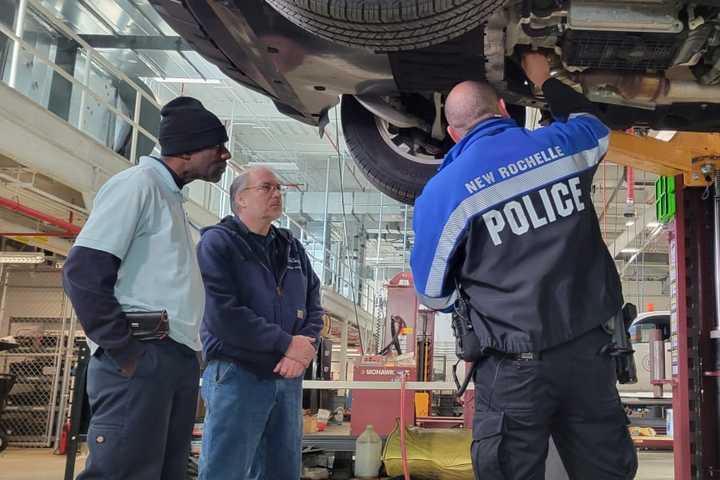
pixel 694 155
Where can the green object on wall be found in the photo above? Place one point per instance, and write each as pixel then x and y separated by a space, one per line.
pixel 665 206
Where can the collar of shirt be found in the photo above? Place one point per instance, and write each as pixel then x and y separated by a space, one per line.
pixel 485 128
pixel 266 239
pixel 164 172
pixel 178 181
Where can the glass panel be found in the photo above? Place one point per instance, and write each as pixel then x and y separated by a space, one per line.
pixel 147 146
pixel 217 196
pixel 96 119
pixel 195 192
pixel 5 55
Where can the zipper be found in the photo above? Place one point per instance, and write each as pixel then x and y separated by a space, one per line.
pixel 257 257
pixel 278 281
pixel 282 274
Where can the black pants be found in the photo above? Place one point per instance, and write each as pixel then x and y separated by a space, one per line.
pixel 141 426
pixel 569 393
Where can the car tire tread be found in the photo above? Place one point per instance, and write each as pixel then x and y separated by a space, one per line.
pixel 387 25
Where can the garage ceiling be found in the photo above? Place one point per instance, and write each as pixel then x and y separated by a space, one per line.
pixel 259 134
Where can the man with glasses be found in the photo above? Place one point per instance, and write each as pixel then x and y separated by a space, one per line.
pixel 262 319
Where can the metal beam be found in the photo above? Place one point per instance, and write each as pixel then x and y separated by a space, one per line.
pixel 314 204
pixel 136 42
pixel 649 259
pixel 683 154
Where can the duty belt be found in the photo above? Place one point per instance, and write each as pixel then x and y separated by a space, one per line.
pixel 523 356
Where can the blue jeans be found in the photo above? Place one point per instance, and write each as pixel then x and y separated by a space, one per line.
pixel 253 426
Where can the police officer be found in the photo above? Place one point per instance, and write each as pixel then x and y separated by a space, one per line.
pixel 509 220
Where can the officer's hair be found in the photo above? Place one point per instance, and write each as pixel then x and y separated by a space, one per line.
pixel 469 103
pixel 237 185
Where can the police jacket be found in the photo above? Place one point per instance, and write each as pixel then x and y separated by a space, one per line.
pixel 255 301
pixel 509 218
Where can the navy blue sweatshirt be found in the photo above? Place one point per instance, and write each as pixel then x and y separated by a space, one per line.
pixel 255 299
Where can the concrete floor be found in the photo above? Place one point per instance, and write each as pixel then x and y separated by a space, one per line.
pixel 41 464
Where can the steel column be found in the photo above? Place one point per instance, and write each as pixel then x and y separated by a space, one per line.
pixel 692 319
pixel 19 30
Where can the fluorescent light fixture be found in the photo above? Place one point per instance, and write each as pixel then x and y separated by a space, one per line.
pixel 279 166
pixel 653 224
pixel 630 250
pixel 630 223
pixel 208 81
pixel 22 257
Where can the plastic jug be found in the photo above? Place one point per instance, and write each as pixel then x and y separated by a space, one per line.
pixel 368 454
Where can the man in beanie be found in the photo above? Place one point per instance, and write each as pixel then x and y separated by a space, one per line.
pixel 136 254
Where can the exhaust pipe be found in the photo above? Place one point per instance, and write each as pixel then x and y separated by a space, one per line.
pixel 647 88
pixel 380 108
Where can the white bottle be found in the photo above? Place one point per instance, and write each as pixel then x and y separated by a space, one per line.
pixel 368 454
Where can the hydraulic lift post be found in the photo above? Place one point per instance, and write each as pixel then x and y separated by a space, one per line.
pixel 693 159
pixel 695 391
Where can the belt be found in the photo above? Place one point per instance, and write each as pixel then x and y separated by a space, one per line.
pixel 521 356
pixel 525 356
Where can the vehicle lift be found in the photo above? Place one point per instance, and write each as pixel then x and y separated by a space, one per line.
pixel 692 161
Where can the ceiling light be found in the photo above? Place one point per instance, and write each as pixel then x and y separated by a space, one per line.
pixel 206 81
pixel 22 257
pixel 653 224
pixel 279 166
pixel 630 250
pixel 630 223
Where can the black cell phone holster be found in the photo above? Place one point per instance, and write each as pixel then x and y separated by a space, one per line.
pixel 148 325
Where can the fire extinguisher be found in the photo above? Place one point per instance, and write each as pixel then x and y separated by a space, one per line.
pixel 64 436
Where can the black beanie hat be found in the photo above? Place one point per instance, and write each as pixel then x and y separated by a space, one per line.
pixel 186 126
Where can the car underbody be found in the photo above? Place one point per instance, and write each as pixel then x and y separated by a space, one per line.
pixel 648 64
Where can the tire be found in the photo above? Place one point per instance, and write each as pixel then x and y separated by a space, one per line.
pixel 387 25
pixel 3 440
pixel 394 175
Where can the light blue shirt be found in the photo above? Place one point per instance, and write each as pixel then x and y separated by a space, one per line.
pixel 138 216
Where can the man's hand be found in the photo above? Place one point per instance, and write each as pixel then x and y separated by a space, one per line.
pixel 128 370
pixel 289 368
pixel 301 349
pixel 537 67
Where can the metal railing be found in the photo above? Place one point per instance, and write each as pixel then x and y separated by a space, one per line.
pixel 92 62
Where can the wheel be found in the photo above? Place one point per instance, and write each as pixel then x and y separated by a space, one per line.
pixel 398 162
pixel 3 440
pixel 384 154
pixel 387 25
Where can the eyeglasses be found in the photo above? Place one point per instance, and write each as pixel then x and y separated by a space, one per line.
pixel 268 188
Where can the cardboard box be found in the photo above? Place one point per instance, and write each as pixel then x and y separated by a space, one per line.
pixel 309 423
